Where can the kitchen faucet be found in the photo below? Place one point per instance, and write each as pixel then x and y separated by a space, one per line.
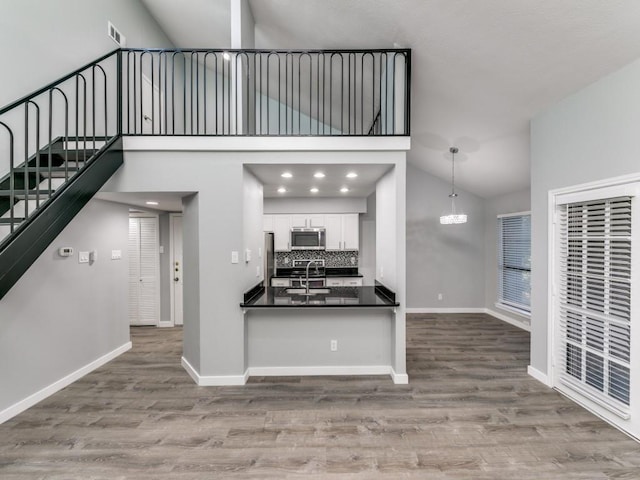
pixel 307 273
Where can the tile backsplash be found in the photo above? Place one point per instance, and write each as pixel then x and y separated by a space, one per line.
pixel 346 258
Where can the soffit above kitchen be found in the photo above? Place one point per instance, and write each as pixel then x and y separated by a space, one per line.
pixel 302 179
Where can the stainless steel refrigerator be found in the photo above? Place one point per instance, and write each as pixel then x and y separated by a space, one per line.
pixel 269 259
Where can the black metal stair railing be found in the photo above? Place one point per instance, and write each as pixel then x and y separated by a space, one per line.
pixel 50 135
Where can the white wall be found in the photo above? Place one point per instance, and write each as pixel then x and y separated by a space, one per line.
pixel 45 40
pixel 367 257
pixel 61 315
pixel 225 216
pixel 509 203
pixel 386 242
pixel 315 205
pixel 447 259
pixel 252 229
pixel 589 136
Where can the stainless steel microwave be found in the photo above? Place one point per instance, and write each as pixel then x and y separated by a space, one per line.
pixel 308 239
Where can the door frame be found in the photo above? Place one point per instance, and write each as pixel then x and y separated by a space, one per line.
pixel 172 217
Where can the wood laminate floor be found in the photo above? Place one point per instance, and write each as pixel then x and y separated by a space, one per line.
pixel 469 412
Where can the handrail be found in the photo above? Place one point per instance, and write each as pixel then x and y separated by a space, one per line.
pixel 56 83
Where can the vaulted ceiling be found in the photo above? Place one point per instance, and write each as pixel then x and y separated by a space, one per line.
pixel 481 69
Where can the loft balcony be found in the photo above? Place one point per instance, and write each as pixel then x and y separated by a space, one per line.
pixel 60 144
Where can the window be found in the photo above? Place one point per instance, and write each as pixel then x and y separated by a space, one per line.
pixel 514 262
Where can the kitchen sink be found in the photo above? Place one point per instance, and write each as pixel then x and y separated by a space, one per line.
pixel 312 291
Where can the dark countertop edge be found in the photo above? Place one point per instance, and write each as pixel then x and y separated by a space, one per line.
pixel 342 275
pixel 254 293
pixel 380 290
pixel 384 292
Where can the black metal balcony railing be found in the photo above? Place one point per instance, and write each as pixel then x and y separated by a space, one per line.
pixel 49 136
pixel 254 92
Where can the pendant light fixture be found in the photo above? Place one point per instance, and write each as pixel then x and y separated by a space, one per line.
pixel 453 217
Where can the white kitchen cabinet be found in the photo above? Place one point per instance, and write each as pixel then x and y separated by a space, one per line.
pixel 280 282
pixel 350 232
pixel 352 282
pixel 267 223
pixel 344 281
pixel 307 221
pixel 342 231
pixel 282 233
pixel 333 231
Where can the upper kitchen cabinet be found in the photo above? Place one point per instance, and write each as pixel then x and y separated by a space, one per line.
pixel 267 223
pixel 343 231
pixel 282 233
pixel 307 221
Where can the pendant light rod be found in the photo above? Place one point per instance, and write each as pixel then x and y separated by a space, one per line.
pixel 453 151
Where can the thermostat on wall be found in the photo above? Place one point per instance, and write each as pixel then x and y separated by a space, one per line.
pixel 65 251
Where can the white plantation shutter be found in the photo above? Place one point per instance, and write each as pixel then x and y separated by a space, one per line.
pixel 148 305
pixel 594 300
pixel 514 261
pixel 143 271
pixel 134 268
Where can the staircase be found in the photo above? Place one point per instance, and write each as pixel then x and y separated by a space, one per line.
pixel 33 183
pixel 41 196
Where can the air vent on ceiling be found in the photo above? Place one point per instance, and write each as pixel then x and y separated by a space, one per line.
pixel 115 34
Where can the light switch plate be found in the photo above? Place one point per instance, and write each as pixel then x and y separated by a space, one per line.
pixel 83 257
pixel 116 254
pixel 234 257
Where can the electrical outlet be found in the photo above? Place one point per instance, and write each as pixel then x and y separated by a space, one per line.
pixel 334 345
pixel 439 296
pixel 83 257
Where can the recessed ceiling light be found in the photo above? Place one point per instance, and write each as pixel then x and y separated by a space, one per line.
pixel 151 203
pixel 344 189
pixel 352 175
pixel 282 190
pixel 313 190
pixel 319 175
pixel 287 175
pixel 226 56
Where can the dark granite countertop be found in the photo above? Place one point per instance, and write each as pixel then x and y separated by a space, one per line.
pixel 340 297
pixel 284 272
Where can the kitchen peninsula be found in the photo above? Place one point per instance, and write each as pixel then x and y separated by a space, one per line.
pixel 319 331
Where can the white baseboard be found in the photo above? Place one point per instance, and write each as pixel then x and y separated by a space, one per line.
pixel 40 395
pixel 446 310
pixel 508 319
pixel 538 375
pixel 399 378
pixel 323 370
pixel 213 380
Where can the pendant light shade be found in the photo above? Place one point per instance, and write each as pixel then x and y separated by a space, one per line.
pixel 453 217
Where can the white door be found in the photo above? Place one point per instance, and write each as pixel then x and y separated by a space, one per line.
pixel 143 271
pixel 152 106
pixel 177 274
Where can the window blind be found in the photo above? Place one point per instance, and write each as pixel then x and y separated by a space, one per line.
pixel 594 300
pixel 514 262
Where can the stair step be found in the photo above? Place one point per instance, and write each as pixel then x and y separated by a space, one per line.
pixel 19 210
pixel 31 194
pixel 57 172
pixel 8 221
